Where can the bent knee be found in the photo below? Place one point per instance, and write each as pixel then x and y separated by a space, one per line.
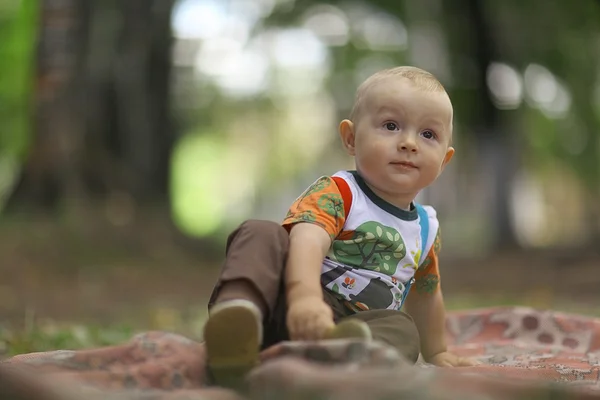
pixel 268 230
pixel 394 328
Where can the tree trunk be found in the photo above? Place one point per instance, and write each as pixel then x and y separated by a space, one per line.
pixel 497 157
pixel 55 123
pixel 102 115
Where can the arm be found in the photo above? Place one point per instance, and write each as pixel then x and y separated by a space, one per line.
pixel 308 316
pixel 313 221
pixel 426 306
pixel 308 247
pixel 428 312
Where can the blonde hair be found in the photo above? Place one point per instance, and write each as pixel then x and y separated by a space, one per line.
pixel 422 79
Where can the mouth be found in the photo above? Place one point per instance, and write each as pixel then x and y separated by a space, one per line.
pixel 404 164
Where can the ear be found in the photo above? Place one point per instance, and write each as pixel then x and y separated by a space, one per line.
pixel 447 157
pixel 346 130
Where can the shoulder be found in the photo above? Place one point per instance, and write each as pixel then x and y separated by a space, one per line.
pixel 327 180
pixel 431 213
pixel 348 178
pixel 322 184
pixel 323 192
pixel 434 223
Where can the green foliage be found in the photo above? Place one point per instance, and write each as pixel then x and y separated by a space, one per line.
pixel 562 41
pixel 51 336
pixel 18 39
pixel 373 246
pixel 427 284
pixel 36 335
pixel 332 204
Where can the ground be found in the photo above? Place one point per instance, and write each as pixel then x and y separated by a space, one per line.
pixel 70 285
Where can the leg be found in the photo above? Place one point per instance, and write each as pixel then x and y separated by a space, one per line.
pixel 253 269
pixel 394 328
pixel 348 328
pixel 245 296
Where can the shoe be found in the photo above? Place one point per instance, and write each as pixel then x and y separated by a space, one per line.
pixel 350 329
pixel 233 335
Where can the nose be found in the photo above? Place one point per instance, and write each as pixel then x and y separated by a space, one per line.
pixel 407 142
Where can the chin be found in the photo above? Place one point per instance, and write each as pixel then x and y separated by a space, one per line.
pixel 403 181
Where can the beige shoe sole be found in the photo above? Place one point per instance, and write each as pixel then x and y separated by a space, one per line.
pixel 350 329
pixel 233 334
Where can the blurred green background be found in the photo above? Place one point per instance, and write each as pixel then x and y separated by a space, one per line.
pixel 134 135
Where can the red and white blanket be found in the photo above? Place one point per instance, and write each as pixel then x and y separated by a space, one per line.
pixel 525 354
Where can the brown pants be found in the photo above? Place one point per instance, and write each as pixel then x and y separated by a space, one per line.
pixel 257 252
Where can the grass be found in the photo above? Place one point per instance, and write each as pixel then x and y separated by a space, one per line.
pixel 92 284
pixel 50 336
pixel 44 335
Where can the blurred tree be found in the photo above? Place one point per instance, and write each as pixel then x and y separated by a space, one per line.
pixel 102 111
pixel 18 26
pixel 563 133
pixel 474 47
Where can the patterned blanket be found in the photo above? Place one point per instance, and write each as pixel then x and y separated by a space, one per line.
pixel 525 354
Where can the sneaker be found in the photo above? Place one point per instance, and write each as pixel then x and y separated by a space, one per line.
pixel 350 329
pixel 233 334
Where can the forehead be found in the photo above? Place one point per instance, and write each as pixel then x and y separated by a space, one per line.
pixel 401 94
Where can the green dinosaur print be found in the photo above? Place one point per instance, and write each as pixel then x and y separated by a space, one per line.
pixel 289 214
pixel 373 246
pixel 437 243
pixel 332 204
pixel 425 263
pixel 317 186
pixel 427 284
pixel 304 216
pixel 320 184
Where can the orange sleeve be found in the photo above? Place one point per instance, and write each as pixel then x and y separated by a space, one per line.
pixel 321 204
pixel 427 277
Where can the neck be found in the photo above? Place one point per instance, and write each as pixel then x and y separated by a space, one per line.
pixel 403 201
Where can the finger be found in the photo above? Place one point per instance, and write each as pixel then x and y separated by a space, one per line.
pixel 320 326
pixel 324 326
pixel 312 329
pixel 468 362
pixel 308 327
pixel 294 328
pixel 295 334
pixel 303 333
pixel 445 363
pixel 300 330
pixel 291 327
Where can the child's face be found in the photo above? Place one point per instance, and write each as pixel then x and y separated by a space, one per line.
pixel 401 139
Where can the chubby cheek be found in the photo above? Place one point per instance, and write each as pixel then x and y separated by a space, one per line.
pixel 435 168
pixel 374 158
pixel 378 150
pixel 369 167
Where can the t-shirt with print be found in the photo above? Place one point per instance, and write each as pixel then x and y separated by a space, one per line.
pixel 376 248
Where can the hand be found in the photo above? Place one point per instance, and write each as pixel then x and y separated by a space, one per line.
pixel 308 318
pixel 447 359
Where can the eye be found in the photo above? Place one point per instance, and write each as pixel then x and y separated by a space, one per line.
pixel 428 135
pixel 391 126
